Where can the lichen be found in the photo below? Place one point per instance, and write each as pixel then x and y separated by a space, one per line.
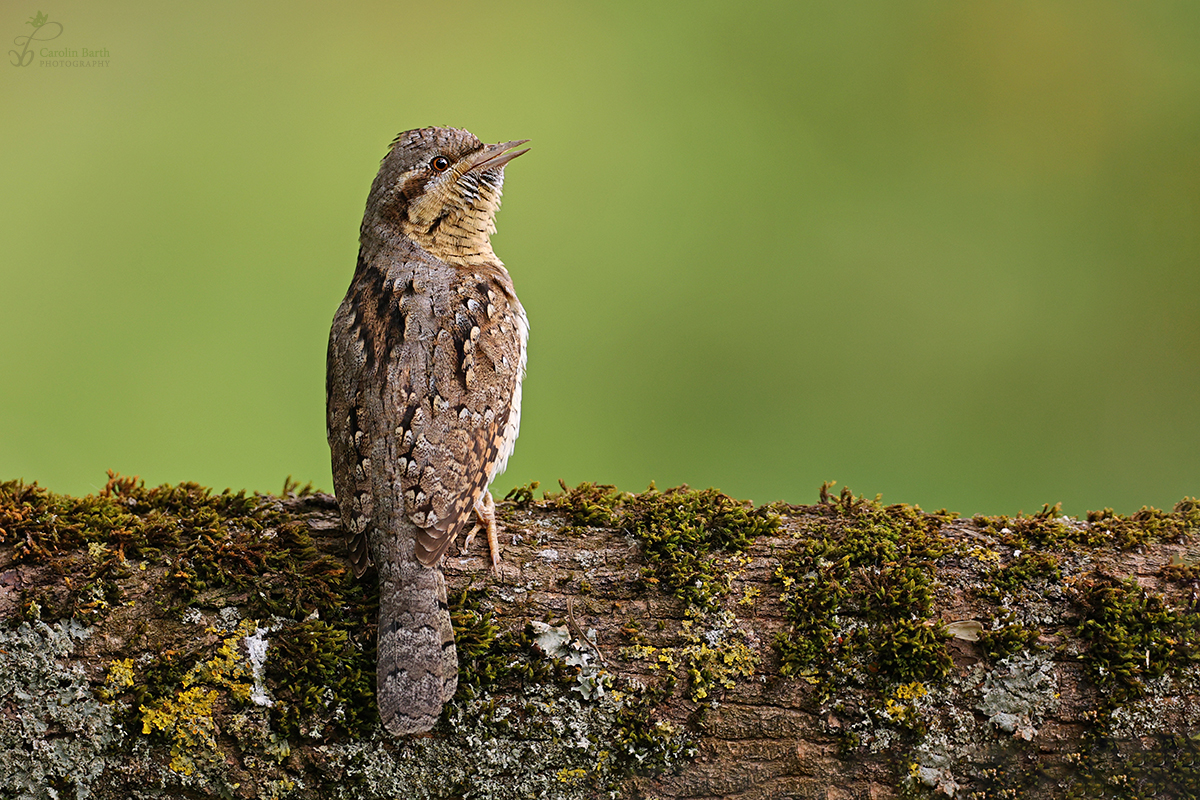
pixel 716 658
pixel 542 743
pixel 185 717
pixel 56 736
pixel 252 663
pixel 1018 693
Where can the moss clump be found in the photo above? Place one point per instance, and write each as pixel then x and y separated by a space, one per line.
pixel 683 531
pixel 490 659
pixel 1007 640
pixel 324 682
pixel 1178 571
pixel 594 504
pixel 1148 524
pixel 522 496
pixel 1025 571
pixel 217 540
pixel 859 597
pixel 1132 636
pixel 1048 528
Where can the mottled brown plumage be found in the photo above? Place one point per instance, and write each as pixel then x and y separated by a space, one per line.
pixel 423 391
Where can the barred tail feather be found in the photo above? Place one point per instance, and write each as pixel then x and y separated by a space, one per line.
pixel 417 666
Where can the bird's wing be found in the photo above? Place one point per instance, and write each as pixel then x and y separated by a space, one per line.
pixel 424 375
pixel 351 346
pixel 461 429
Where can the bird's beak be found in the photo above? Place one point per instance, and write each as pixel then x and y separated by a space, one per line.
pixel 494 156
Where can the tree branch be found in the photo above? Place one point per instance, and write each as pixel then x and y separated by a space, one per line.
pixel 175 642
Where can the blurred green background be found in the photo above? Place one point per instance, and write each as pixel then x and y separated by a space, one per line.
pixel 946 252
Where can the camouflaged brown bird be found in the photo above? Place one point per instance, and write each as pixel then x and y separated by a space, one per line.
pixel 423 397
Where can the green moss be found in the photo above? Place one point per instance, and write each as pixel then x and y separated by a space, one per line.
pixel 1049 529
pixel 323 680
pixel 683 532
pixel 509 681
pixel 1132 636
pixel 1044 529
pixel 1007 640
pixel 645 744
pixel 1178 571
pixel 1028 570
pixel 1148 524
pixel 522 496
pixel 588 503
pixel 859 597
pixel 490 660
pixel 216 540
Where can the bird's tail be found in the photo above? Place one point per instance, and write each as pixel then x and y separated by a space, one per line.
pixel 417 666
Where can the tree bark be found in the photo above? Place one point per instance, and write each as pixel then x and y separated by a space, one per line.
pixel 175 643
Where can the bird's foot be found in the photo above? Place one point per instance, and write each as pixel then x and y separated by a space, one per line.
pixel 485 513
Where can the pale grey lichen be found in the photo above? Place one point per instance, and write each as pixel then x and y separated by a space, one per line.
pixel 1014 696
pixel 54 733
pixel 1018 693
pixel 548 745
pixel 557 642
pixel 1168 703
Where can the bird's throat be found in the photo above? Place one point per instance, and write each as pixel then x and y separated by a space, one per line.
pixel 456 225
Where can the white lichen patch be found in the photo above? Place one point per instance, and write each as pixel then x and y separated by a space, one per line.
pixel 551 745
pixel 1018 693
pixel 1166 706
pixel 557 642
pixel 58 733
pixel 256 654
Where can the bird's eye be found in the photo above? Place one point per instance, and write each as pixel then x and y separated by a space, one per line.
pixel 440 163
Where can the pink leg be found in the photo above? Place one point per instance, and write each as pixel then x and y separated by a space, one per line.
pixel 485 512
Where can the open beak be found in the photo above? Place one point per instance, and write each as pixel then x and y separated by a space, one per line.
pixel 494 156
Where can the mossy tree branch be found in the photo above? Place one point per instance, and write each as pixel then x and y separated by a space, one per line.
pixel 173 642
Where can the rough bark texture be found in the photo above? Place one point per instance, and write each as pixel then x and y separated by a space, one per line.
pixel 175 643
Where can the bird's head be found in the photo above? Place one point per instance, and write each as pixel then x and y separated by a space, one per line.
pixel 441 187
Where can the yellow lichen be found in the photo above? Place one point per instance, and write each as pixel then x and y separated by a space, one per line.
pixel 120 676
pixel 749 595
pixel 187 717
pixel 901 706
pixel 984 554
pixel 575 775
pixel 228 668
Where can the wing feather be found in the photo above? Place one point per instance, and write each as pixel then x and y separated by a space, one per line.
pixel 428 361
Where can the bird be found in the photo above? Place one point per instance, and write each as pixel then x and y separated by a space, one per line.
pixel 426 356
